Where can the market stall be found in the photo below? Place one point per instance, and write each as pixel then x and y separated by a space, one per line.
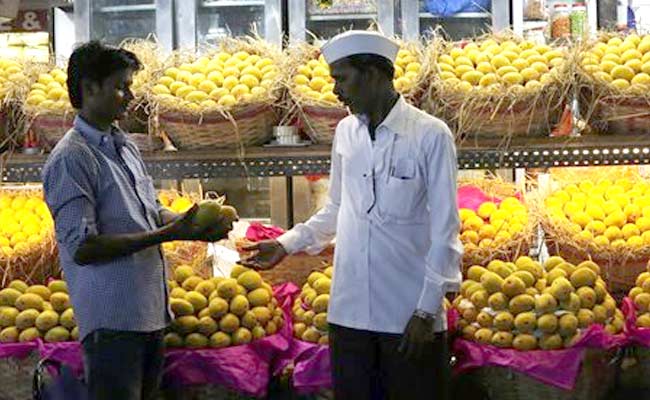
pixel 551 249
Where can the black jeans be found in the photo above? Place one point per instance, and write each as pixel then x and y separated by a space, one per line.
pixel 123 365
pixel 367 365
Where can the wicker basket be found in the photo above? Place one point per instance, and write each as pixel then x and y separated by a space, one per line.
pixel 193 254
pixel 4 128
pixel 619 273
pixel 515 119
pixel 628 116
pixel 248 126
pixel 320 122
pixel 596 378
pixel 16 377
pixel 145 142
pixel 35 267
pixel 50 128
pixel 635 375
pixel 138 118
pixel 510 250
pixel 297 267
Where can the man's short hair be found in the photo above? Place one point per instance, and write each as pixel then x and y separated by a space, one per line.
pixel 364 61
pixel 94 62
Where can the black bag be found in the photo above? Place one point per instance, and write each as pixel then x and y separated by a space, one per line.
pixel 63 386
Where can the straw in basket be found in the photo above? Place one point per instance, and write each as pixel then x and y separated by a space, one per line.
pixel 248 126
pixel 49 128
pixel 206 120
pixel 495 110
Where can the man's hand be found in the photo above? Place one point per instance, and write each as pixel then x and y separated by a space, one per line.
pixel 184 228
pixel 418 337
pixel 268 254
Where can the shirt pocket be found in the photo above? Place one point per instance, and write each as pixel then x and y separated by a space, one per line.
pixel 403 193
pixel 147 194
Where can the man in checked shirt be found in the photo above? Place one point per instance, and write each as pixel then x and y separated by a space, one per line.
pixel 109 227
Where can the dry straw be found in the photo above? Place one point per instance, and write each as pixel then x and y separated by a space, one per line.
pixel 46 125
pixel 37 265
pixel 502 112
pixel 518 245
pixel 247 123
pixel 620 265
pixel 607 109
pixel 11 116
pixel 319 118
pixel 141 116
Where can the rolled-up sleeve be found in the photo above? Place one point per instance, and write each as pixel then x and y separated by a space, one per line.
pixel 69 185
pixel 442 273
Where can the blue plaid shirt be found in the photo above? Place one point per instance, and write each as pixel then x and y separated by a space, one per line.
pixel 96 183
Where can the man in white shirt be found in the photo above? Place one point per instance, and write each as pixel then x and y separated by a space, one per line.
pixel 392 207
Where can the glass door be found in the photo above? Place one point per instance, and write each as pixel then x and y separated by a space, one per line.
pixel 116 20
pixel 222 18
pixel 312 20
pixel 421 18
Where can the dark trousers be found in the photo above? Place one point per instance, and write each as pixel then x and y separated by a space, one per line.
pixel 367 365
pixel 123 365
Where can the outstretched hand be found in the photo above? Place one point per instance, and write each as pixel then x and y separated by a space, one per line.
pixel 268 254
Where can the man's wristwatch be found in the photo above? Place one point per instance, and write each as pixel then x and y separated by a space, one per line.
pixel 424 315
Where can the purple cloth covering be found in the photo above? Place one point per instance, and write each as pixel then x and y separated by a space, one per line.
pixel 557 367
pixel 472 197
pixel 310 362
pixel 635 335
pixel 17 350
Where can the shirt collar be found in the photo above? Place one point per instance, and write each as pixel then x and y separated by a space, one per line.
pixel 395 120
pixel 98 137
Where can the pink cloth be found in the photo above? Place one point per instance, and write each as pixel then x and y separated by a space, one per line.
pixel 17 350
pixel 310 361
pixel 68 353
pixel 257 232
pixel 472 197
pixel 557 367
pixel 635 335
pixel 245 369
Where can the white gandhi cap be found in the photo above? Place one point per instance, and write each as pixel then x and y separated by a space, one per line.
pixel 359 42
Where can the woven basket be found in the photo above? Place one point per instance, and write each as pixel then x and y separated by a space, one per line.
pixel 50 128
pixel 635 376
pixel 248 126
pixel 320 122
pixel 618 272
pixel 138 118
pixel 193 254
pixel 4 128
pixel 16 377
pixel 294 268
pixel 596 378
pixel 518 119
pixel 629 116
pixel 297 267
pixel 509 252
pixel 35 267
pixel 145 142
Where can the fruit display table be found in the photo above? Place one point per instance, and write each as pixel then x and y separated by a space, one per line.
pixel 244 369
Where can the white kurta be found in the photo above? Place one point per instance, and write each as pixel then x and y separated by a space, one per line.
pixel 397 247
